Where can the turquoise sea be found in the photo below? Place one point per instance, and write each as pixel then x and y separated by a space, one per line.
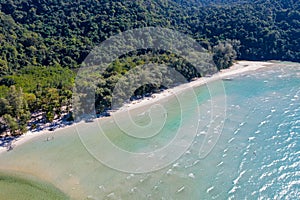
pixel 240 140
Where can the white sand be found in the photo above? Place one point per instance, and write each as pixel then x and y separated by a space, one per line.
pixel 237 68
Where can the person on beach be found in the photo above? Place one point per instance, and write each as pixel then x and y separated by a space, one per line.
pixel 10 146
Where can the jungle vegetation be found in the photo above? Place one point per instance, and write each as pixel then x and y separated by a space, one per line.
pixel 44 42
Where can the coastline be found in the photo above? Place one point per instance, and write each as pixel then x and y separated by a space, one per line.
pixel 238 68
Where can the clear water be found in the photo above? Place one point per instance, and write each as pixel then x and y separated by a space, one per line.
pixel 257 154
pixel 19 187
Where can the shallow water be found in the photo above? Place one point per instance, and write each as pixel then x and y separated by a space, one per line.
pixel 255 125
pixel 19 187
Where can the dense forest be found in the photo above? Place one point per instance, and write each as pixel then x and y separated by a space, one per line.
pixel 44 42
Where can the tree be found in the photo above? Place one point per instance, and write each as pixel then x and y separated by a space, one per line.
pixel 4 106
pixel 11 123
pixel 224 55
pixel 17 103
pixel 30 98
pixel 3 67
pixel 14 111
pixel 51 104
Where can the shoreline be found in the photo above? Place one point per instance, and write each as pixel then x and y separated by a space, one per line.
pixel 237 68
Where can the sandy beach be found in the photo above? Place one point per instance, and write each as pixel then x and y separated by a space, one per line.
pixel 238 68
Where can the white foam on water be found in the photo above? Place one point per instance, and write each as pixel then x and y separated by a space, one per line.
pixel 229 141
pixel 101 187
pixel 191 175
pixel 180 189
pixel 196 162
pixel 111 195
pixel 175 165
pixel 235 181
pixel 242 124
pixel 155 187
pixel 258 131
pixel 210 189
pixel 221 163
pixel 263 123
pixel 133 190
pixel 169 171
pixel 236 131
